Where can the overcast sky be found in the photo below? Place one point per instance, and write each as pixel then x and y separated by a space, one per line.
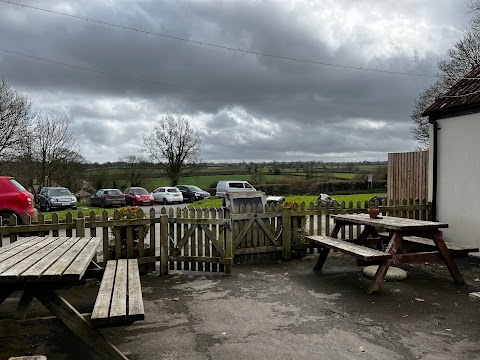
pixel 246 106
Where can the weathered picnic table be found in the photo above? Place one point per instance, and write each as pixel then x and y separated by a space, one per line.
pixel 39 266
pixel 401 232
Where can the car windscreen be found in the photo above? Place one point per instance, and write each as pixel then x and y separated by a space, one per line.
pixel 59 192
pixel 140 192
pixel 113 192
pixel 236 185
pixel 194 188
pixel 172 190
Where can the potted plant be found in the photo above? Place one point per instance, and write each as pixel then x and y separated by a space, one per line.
pixel 124 214
pixel 373 210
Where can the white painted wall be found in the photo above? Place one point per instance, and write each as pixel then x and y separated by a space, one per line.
pixel 458 200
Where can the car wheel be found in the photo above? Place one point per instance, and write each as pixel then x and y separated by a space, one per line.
pixel 47 207
pixel 191 199
pixel 165 202
pixel 102 203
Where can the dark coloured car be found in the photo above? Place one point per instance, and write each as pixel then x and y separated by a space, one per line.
pixel 108 197
pixel 192 193
pixel 15 200
pixel 137 196
pixel 56 198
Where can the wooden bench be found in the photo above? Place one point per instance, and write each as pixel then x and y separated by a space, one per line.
pixel 119 300
pixel 361 252
pixel 454 249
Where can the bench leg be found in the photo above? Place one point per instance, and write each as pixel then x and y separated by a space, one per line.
pixel 321 258
pixel 4 294
pixel 72 319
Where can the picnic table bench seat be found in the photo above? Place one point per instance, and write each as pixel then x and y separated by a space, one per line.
pixel 452 248
pixel 119 300
pixel 359 251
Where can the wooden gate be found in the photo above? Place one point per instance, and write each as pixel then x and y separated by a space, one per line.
pixel 257 233
pixel 200 240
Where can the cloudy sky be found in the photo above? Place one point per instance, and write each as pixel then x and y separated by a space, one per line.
pixel 248 104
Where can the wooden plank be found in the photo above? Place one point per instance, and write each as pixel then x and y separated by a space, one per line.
pixel 46 252
pixel 17 247
pixel 474 296
pixel 55 272
pixel 361 252
pixel 101 309
pixel 78 266
pixel 34 272
pixel 17 243
pixel 390 222
pixel 136 310
pixel 18 256
pixel 118 309
pixel 453 248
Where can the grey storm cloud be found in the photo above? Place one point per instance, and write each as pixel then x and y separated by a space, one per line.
pixel 114 83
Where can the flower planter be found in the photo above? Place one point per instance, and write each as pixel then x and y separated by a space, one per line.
pixel 373 212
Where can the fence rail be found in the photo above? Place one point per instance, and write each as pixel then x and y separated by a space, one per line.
pixel 207 239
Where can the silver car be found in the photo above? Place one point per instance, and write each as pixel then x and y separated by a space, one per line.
pixel 56 198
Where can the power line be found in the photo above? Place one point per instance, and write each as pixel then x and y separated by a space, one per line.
pixel 223 47
pixel 201 90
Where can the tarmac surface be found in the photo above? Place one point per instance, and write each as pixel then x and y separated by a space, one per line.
pixel 277 310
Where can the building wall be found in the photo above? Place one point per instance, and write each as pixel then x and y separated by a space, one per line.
pixel 458 202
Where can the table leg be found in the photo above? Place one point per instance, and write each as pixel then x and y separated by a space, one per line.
pixel 22 309
pixel 447 258
pixel 4 294
pixel 379 277
pixel 72 319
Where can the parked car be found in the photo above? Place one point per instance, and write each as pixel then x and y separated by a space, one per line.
pixel 192 193
pixel 224 187
pixel 107 197
pixel 167 195
pixel 137 196
pixel 15 199
pixel 56 198
pixel 379 199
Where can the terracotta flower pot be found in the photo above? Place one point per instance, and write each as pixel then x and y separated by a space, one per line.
pixel 373 212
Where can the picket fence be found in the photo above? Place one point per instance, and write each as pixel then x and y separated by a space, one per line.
pixel 209 240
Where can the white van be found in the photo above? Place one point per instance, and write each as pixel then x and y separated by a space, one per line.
pixel 224 187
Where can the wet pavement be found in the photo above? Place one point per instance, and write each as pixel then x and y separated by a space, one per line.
pixel 277 310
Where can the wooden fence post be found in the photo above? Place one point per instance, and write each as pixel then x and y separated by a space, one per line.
pixel 228 240
pixel 164 244
pixel 287 233
pixel 80 226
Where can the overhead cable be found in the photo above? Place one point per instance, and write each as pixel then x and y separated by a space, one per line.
pixel 198 90
pixel 223 47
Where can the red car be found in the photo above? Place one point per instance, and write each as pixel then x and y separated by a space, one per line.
pixel 15 199
pixel 137 196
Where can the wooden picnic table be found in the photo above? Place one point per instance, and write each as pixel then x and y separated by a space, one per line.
pixel 397 250
pixel 39 266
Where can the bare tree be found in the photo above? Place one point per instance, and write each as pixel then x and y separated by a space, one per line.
pixel 53 145
pixel 175 146
pixel 462 57
pixel 14 119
